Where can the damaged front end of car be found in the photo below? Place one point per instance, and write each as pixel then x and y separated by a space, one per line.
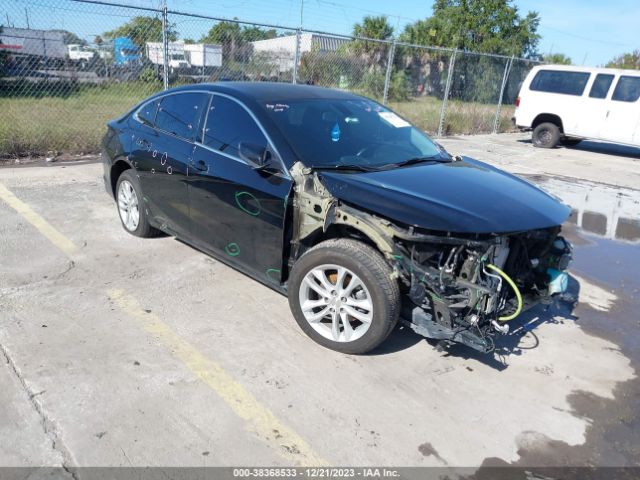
pixel 457 288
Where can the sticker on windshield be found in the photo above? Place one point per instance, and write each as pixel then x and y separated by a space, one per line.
pixel 394 119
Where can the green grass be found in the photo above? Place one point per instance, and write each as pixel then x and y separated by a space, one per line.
pixel 461 118
pixel 75 122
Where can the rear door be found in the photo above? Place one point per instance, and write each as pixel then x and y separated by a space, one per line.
pixel 236 210
pixel 623 113
pixel 166 154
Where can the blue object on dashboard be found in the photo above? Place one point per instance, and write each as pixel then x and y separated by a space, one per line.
pixel 335 133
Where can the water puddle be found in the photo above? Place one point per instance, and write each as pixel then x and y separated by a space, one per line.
pixel 603 210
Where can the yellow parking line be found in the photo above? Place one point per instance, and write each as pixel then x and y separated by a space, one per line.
pixel 44 227
pixel 260 420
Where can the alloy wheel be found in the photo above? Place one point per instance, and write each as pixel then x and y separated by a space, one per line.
pixel 336 303
pixel 128 205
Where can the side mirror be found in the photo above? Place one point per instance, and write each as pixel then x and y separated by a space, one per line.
pixel 254 155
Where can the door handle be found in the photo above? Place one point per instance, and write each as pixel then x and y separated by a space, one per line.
pixel 200 165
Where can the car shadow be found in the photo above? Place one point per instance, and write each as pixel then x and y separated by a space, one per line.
pixel 522 336
pixel 604 148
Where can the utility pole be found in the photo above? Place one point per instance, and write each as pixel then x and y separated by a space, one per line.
pixel 296 57
pixel 301 12
pixel 165 48
pixel 26 14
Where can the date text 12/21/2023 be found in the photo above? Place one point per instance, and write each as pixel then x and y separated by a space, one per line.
pixel 315 472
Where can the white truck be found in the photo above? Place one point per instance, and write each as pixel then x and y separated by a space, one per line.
pixel 203 55
pixel 566 104
pixel 81 55
pixel 176 58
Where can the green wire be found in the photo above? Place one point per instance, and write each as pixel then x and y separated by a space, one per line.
pixel 515 290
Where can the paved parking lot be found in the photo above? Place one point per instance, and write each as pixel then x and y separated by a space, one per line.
pixel 119 351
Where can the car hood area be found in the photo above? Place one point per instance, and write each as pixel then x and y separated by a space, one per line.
pixel 464 196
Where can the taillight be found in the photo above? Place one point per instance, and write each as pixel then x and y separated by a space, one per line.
pixel 517 102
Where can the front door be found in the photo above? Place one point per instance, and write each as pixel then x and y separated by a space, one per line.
pixel 237 211
pixel 624 111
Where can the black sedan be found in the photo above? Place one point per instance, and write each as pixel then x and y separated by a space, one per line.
pixel 343 205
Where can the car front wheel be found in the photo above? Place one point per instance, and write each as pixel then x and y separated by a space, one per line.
pixel 343 295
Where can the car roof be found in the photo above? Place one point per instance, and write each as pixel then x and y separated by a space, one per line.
pixel 271 91
pixel 575 68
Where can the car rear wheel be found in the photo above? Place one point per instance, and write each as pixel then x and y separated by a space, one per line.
pixel 343 296
pixel 546 135
pixel 133 214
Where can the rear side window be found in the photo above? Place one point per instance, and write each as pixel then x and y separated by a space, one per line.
pixel 147 114
pixel 556 81
pixel 627 89
pixel 601 85
pixel 180 114
pixel 228 124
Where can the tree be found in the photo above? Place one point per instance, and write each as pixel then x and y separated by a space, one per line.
pixel 486 26
pixel 229 35
pixel 373 27
pixel 236 40
pixel 142 30
pixel 629 61
pixel 253 34
pixel 557 59
pixel 373 53
pixel 489 26
pixel 70 38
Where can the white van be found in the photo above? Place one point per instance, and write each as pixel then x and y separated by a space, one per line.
pixel 567 104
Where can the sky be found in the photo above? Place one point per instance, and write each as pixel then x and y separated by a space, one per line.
pixel 590 32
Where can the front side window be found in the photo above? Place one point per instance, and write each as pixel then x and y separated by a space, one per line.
pixel 180 114
pixel 229 124
pixel 559 81
pixel 601 85
pixel 627 89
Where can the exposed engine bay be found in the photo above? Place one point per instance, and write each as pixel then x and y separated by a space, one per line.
pixel 466 291
pixel 457 288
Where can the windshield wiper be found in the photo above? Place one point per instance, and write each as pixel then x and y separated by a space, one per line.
pixel 415 160
pixel 357 168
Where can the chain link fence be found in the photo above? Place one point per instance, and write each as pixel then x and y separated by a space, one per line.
pixel 71 65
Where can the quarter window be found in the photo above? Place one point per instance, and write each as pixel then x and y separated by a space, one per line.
pixel 558 81
pixel 147 114
pixel 601 85
pixel 228 124
pixel 627 89
pixel 180 113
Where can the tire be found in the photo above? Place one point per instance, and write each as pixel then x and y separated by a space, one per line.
pixel 546 135
pixel 570 141
pixel 375 300
pixel 129 187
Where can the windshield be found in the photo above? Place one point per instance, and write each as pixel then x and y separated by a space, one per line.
pixel 333 133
